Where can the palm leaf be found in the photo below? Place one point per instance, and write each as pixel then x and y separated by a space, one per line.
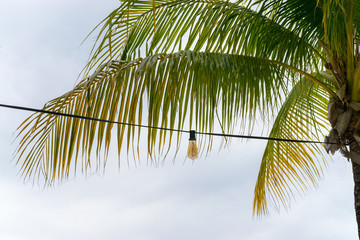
pixel 289 167
pixel 304 17
pixel 212 26
pixel 172 88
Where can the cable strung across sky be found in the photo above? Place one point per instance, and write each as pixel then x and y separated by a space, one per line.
pixel 159 128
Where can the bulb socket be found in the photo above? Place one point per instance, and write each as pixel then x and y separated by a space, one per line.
pixel 192 135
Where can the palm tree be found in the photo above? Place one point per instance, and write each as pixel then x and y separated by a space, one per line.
pixel 293 64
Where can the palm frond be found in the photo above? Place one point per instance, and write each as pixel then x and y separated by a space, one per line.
pixel 170 87
pixel 289 167
pixel 211 26
pixel 304 17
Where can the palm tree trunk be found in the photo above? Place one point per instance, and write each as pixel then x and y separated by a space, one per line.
pixel 356 174
pixel 355 148
pixel 345 122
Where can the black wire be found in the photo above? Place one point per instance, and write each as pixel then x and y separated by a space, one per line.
pixel 152 127
pixel 263 138
pixel 88 118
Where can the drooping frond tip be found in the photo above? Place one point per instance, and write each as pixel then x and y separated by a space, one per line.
pixel 287 168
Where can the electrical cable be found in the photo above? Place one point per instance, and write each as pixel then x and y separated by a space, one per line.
pixel 89 118
pixel 159 128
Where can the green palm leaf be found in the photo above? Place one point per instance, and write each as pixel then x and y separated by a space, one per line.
pixel 199 83
pixel 212 26
pixel 304 17
pixel 288 166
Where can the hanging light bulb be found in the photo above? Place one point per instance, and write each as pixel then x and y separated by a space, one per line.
pixel 192 151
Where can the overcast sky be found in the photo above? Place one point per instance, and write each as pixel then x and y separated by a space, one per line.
pixel 40 58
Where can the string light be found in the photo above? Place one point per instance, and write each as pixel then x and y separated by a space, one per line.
pixel 192 149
